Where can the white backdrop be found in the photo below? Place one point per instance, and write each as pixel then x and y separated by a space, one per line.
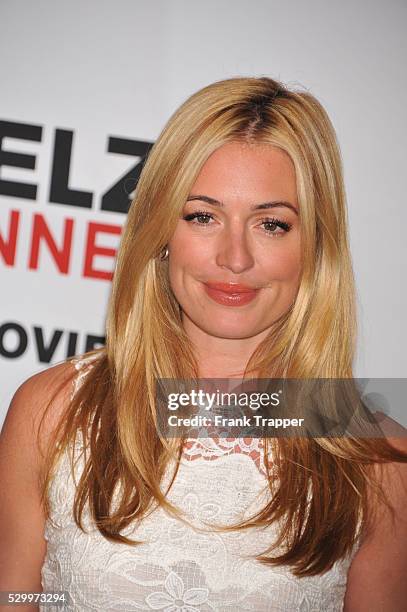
pixel 89 81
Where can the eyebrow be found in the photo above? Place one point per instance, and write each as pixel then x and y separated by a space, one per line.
pixel 263 206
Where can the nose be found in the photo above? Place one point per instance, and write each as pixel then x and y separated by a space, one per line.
pixel 234 252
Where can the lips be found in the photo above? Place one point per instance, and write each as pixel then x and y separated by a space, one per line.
pixel 230 294
pixel 230 287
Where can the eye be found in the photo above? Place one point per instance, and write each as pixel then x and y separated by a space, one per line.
pixel 273 224
pixel 201 217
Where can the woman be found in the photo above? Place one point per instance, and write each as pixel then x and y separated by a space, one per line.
pixel 234 264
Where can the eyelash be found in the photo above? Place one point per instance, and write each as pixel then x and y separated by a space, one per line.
pixel 272 220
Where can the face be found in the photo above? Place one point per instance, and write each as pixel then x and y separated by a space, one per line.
pixel 234 258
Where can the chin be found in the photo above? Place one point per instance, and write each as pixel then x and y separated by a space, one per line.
pixel 230 332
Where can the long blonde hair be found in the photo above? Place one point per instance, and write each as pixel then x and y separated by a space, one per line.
pixel 115 408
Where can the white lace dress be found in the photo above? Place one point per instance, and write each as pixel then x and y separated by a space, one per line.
pixel 180 567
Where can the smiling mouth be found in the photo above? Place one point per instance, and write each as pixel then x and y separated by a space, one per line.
pixel 230 294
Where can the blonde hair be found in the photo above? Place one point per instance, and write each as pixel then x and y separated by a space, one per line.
pixel 115 408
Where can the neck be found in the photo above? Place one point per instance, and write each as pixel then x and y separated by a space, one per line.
pixel 221 357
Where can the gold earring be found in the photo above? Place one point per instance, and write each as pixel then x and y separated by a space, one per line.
pixel 164 254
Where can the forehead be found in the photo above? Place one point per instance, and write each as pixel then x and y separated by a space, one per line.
pixel 247 171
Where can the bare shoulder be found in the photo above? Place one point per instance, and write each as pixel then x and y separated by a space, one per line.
pixel 392 429
pixel 376 578
pixel 38 406
pixel 22 516
pixel 51 387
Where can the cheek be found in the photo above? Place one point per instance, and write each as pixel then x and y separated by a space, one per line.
pixel 283 265
pixel 185 257
pixel 188 252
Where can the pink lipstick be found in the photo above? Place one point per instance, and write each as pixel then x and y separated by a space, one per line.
pixel 230 294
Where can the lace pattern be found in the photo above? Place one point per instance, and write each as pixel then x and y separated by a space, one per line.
pixel 215 447
pixel 181 566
